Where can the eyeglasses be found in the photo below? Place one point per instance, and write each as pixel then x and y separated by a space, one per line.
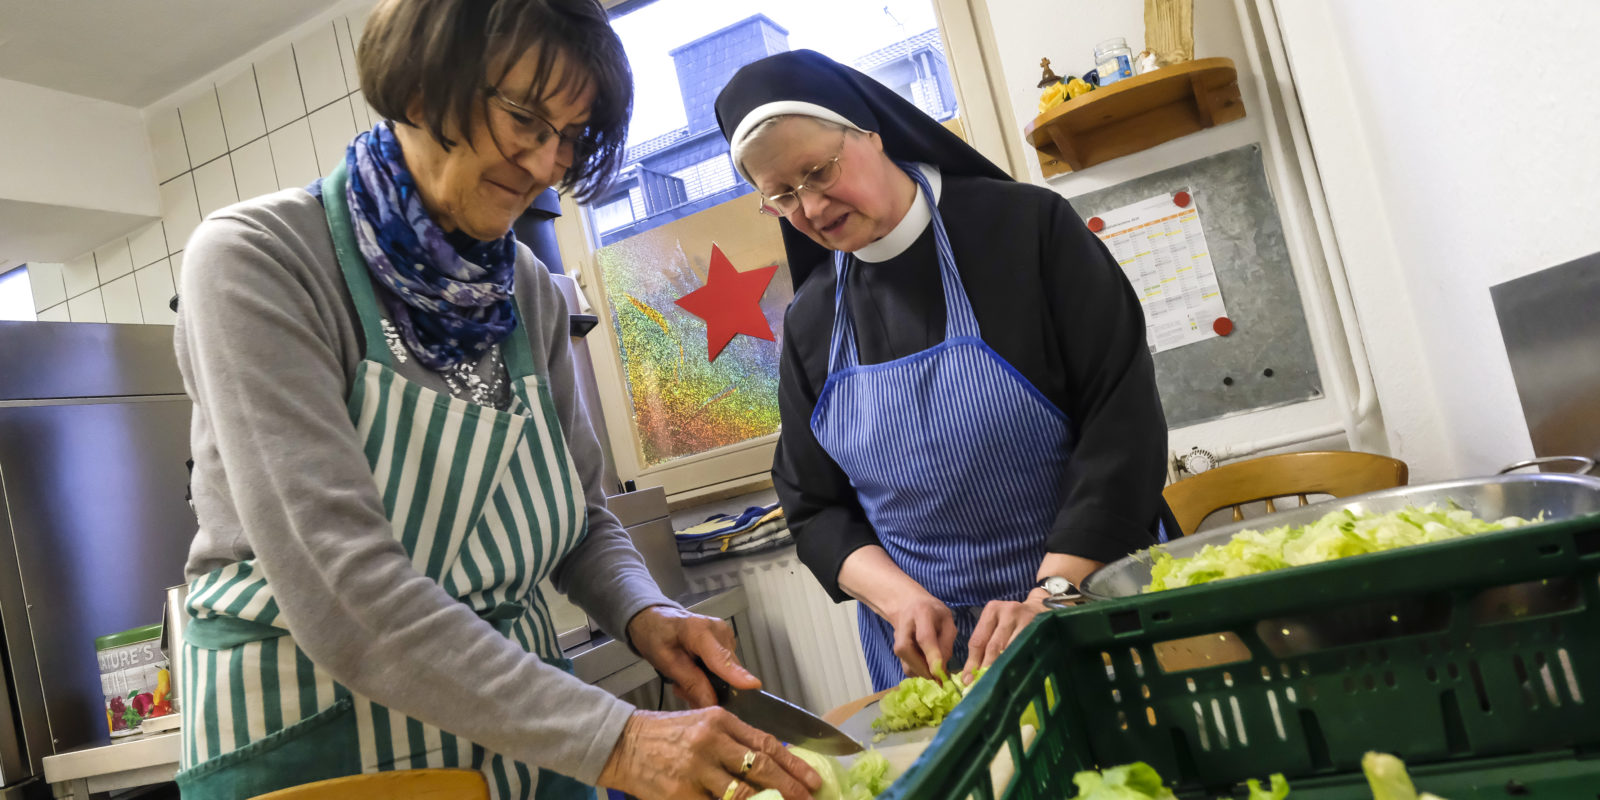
pixel 527 128
pixel 818 179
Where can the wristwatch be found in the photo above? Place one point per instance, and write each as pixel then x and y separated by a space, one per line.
pixel 1055 585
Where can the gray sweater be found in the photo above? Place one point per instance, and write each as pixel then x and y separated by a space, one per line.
pixel 268 342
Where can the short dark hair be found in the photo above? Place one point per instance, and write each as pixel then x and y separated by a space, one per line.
pixel 443 51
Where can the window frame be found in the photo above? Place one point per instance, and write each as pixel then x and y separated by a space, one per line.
pixel 745 467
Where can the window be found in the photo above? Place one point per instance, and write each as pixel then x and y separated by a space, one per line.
pixel 614 214
pixel 675 417
pixel 16 295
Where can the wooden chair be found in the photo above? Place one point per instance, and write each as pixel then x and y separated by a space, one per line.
pixel 410 784
pixel 1338 473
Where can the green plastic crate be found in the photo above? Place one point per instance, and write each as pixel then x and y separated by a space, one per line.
pixel 1477 661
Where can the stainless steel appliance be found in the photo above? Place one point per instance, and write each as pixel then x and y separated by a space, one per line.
pixel 94 435
pixel 1552 337
pixel 644 516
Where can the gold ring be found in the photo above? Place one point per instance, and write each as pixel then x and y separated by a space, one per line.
pixel 749 761
pixel 733 788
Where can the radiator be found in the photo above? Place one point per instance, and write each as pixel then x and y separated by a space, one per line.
pixel 803 645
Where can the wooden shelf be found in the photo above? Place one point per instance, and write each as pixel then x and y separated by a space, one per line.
pixel 1136 114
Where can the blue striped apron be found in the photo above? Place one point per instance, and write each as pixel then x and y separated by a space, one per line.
pixel 485 502
pixel 955 458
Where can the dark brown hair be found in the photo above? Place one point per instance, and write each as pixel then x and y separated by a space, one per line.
pixel 444 51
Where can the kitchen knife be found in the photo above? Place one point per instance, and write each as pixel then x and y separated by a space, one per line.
pixel 787 721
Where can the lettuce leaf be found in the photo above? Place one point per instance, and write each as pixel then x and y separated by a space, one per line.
pixel 1388 777
pixel 1136 781
pixel 866 778
pixel 1340 534
pixel 1279 790
pixel 828 768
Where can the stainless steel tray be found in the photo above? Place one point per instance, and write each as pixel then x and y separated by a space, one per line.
pixel 1556 495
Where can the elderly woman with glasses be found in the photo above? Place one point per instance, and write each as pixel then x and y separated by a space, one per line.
pixel 970 417
pixel 390 454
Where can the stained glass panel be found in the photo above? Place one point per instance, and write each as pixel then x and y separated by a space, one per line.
pixel 682 403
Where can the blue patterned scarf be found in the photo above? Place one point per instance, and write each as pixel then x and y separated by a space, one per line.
pixel 451 301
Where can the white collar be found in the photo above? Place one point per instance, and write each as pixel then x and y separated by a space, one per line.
pixel 910 227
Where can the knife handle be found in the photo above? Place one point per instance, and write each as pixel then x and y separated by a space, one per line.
pixel 719 686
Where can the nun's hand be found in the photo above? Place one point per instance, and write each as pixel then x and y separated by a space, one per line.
pixel 998 627
pixel 924 634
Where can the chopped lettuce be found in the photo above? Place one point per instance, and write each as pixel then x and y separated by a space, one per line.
pixel 870 773
pixel 1136 781
pixel 921 702
pixel 1337 535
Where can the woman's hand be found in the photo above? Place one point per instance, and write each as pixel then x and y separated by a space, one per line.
pixel 924 633
pixel 998 627
pixel 671 639
pixel 698 754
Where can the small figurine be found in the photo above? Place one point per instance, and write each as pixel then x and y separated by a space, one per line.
pixel 1049 75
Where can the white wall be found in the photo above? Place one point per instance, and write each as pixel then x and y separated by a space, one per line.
pixel 1069 44
pixel 1457 142
pixel 49 134
pixel 278 117
pixel 75 170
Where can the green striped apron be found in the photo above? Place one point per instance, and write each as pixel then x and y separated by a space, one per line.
pixel 485 502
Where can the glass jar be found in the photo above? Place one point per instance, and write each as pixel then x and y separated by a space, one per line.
pixel 1113 60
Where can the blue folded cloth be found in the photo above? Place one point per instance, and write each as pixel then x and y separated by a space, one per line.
pixel 724 524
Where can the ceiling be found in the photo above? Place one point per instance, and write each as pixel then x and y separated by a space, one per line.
pixel 135 52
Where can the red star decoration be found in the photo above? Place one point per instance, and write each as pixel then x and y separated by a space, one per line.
pixel 730 303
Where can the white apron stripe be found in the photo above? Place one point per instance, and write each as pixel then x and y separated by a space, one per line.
pixel 368 379
pixel 250 654
pixel 389 394
pixel 391 420
pixel 439 491
pixel 288 699
pixel 224 742
pixel 421 415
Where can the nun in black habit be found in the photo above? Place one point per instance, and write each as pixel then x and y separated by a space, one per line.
pixel 969 408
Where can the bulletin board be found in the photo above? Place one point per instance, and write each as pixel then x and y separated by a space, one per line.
pixel 1267 360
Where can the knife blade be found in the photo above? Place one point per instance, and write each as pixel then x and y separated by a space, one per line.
pixel 783 719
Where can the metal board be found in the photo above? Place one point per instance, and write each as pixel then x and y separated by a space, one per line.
pixel 1268 360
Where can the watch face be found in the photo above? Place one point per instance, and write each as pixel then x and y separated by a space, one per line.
pixel 1056 585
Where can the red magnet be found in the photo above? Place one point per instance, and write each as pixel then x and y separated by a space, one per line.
pixel 1223 326
pixel 1183 199
pixel 1096 224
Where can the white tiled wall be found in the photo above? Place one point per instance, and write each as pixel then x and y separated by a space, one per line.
pixel 278 121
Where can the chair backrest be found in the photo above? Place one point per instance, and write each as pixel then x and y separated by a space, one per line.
pixel 1338 473
pixel 410 784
